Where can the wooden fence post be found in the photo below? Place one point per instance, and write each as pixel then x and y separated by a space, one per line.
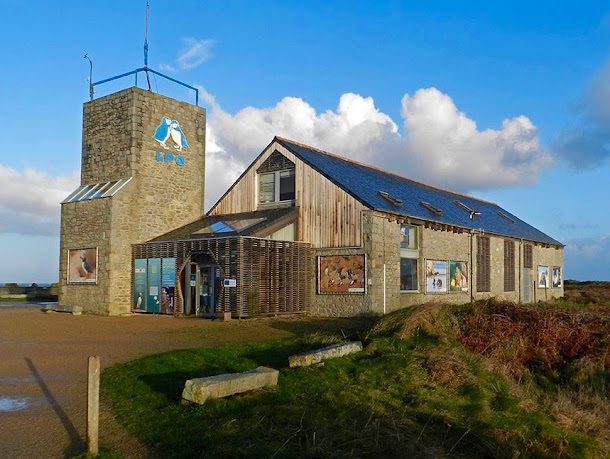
pixel 93 404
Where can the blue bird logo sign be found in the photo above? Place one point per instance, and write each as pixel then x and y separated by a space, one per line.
pixel 169 134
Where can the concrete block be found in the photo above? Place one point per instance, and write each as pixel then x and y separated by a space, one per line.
pixel 201 389
pixel 318 355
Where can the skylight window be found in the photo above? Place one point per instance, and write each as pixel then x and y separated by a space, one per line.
pixel 96 191
pixel 220 227
pixel 431 208
pixel 463 206
pixel 391 199
pixel 472 214
pixel 504 216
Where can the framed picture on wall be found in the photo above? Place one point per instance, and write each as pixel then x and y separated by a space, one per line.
pixel 557 278
pixel 543 276
pixel 458 276
pixel 341 274
pixel 82 266
pixel 436 276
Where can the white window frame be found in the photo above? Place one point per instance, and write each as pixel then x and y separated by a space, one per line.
pixel 412 254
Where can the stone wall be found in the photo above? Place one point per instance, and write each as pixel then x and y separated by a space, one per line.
pixel 118 143
pixel 381 245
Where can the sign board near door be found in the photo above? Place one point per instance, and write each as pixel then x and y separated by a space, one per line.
pixel 230 283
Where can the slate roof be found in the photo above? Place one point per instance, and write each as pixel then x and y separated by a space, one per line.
pixel 365 183
pixel 260 223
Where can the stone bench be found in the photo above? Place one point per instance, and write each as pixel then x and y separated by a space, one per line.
pixel 201 389
pixel 318 355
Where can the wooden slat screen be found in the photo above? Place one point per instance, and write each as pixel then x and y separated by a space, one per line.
pixel 528 258
pixel 509 266
pixel 272 276
pixel 483 264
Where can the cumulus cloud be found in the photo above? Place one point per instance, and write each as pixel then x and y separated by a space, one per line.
pixel 588 258
pixel 585 143
pixel 29 201
pixel 439 143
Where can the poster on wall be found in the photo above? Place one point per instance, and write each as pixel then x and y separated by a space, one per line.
pixel 153 301
pixel 139 284
pixel 168 285
pixel 458 276
pixel 543 277
pixel 557 279
pixel 341 274
pixel 82 266
pixel 436 276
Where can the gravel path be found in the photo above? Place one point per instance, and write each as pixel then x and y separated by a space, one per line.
pixel 43 370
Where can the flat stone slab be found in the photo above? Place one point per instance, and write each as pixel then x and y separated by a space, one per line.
pixel 329 352
pixel 74 310
pixel 201 389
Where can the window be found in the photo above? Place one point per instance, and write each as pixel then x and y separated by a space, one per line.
pixel 408 258
pixel 391 199
pixel 431 208
pixel 483 264
pixel 286 185
pixel 528 259
pixel 409 237
pixel 509 266
pixel 276 186
pixel 408 274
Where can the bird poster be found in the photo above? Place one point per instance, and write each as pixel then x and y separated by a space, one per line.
pixel 82 266
pixel 436 276
pixel 341 274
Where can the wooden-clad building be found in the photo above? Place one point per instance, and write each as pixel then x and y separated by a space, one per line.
pixel 314 232
pixel 301 231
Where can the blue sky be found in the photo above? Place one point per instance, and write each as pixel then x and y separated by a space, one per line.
pixel 345 68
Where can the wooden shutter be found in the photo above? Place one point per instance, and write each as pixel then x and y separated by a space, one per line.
pixel 509 266
pixel 483 264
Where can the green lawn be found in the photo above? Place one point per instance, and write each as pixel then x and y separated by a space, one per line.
pixel 414 395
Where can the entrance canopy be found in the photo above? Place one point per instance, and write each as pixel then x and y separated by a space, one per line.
pixel 260 224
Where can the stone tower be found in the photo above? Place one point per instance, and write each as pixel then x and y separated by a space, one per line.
pixel 142 174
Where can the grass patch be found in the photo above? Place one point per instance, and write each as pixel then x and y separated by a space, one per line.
pixel 415 391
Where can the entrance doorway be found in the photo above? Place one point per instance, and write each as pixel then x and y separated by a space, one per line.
pixel 203 286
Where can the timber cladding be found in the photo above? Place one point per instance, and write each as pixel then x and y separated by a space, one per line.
pixel 272 277
pixel 328 216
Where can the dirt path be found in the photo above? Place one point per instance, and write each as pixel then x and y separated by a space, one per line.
pixel 43 361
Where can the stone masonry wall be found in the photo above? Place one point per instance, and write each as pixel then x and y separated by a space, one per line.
pixel 85 225
pixel 118 142
pixel 381 244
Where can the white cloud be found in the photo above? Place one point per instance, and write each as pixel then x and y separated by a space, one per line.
pixel 29 200
pixel 195 52
pixel 440 144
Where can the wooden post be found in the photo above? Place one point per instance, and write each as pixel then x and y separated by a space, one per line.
pixel 93 404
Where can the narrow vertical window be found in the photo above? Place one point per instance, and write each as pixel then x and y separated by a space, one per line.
pixel 483 264
pixel 509 266
pixel 528 258
pixel 286 185
pixel 266 188
pixel 409 256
